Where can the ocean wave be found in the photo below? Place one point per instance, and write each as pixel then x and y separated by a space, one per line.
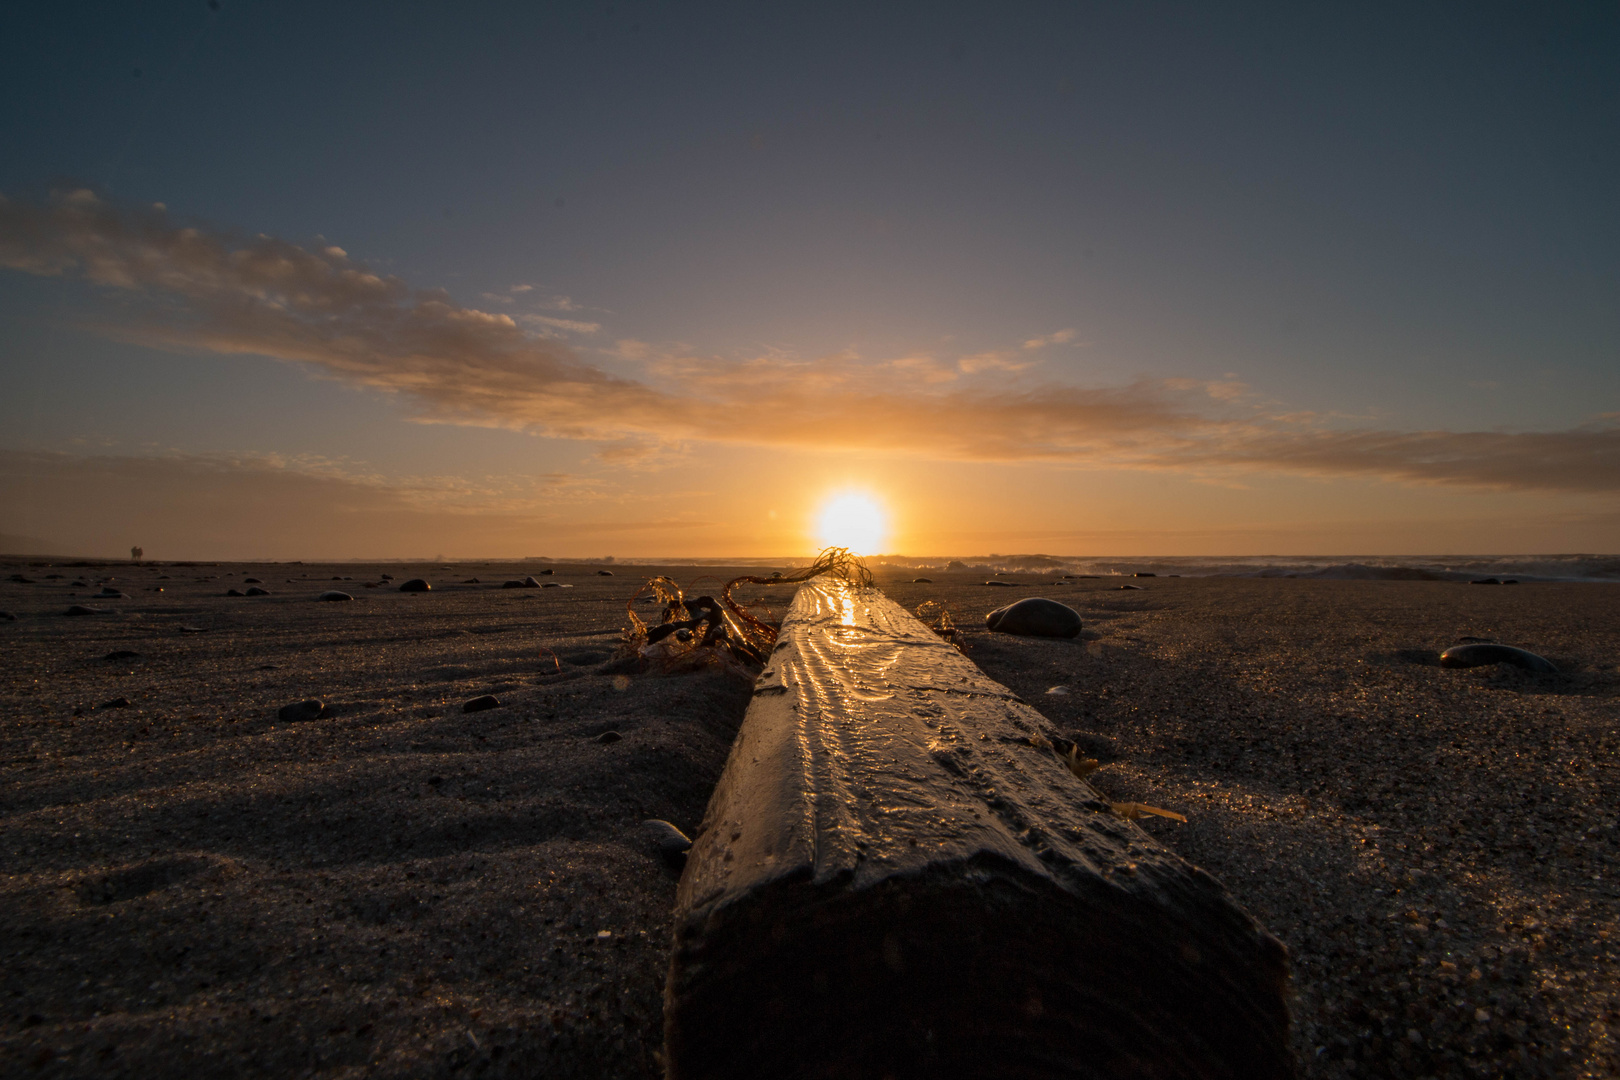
pixel 1335 568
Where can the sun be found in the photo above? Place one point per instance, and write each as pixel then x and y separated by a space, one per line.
pixel 854 520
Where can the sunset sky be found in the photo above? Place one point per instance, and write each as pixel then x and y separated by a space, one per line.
pixel 328 281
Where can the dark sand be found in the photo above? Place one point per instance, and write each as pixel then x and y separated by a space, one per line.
pixel 195 887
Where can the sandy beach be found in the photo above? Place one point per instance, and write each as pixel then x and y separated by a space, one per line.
pixel 400 888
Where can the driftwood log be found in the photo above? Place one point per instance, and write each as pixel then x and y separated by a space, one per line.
pixel 897 877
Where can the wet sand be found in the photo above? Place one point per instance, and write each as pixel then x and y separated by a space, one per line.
pixel 400 888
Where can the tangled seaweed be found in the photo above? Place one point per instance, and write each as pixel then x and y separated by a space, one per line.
pixel 937 617
pixel 701 631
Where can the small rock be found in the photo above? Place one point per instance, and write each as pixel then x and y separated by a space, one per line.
pixel 1478 655
pixel 547 570
pixel 553 585
pixel 479 704
pixel 234 592
pixel 530 583
pixel 1136 588
pixel 1145 573
pixel 301 710
pixel 6 616
pixel 1057 690
pixel 80 609
pixel 257 591
pixel 23 580
pixel 1510 581
pixel 157 588
pixel 1485 581
pixel 471 581
pixel 115 703
pixel 111 594
pixel 122 654
pixel 604 573
pixel 514 585
pixel 609 737
pixel 670 843
pixel 335 597
pixel 192 630
pixel 922 581
pixel 388 577
pixel 1035 616
pixel 1003 584
pixel 251 581
pixel 416 584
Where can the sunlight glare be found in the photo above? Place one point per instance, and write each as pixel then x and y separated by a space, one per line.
pixel 852 520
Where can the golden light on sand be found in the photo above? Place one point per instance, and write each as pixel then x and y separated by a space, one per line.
pixel 854 520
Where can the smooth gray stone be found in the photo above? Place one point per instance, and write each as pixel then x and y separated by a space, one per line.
pixel 1467 656
pixel 1035 616
pixel 334 596
pixel 670 843
pixel 416 584
pixel 301 710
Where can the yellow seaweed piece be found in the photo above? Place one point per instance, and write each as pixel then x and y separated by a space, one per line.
pixel 1135 811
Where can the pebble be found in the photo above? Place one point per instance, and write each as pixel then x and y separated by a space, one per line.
pixel 251 581
pixel 234 592
pixel 1057 690
pixel 1035 616
pixel 922 581
pixel 1136 588
pixel 301 710
pixel 257 591
pixel 1485 581
pixel 609 737
pixel 192 630
pixel 479 704
pixel 388 577
pixel 471 581
pixel 122 654
pixel 604 573
pixel 333 596
pixel 80 609
pixel 530 583
pixel 514 585
pixel 1478 655
pixel 1003 584
pixel 670 843
pixel 111 594
pixel 6 616
pixel 546 571
pixel 416 584
pixel 115 703
pixel 21 579
pixel 554 585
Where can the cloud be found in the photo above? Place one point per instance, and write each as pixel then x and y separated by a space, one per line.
pixel 1061 337
pixel 208 291
pixel 547 322
pixel 181 506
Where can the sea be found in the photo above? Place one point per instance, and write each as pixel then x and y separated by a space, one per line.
pixel 1604 568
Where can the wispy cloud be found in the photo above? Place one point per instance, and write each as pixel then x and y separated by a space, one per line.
pixel 213 292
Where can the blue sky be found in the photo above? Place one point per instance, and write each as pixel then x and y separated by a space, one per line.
pixel 1079 278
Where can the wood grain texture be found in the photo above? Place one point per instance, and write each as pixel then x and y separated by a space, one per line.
pixel 895 877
